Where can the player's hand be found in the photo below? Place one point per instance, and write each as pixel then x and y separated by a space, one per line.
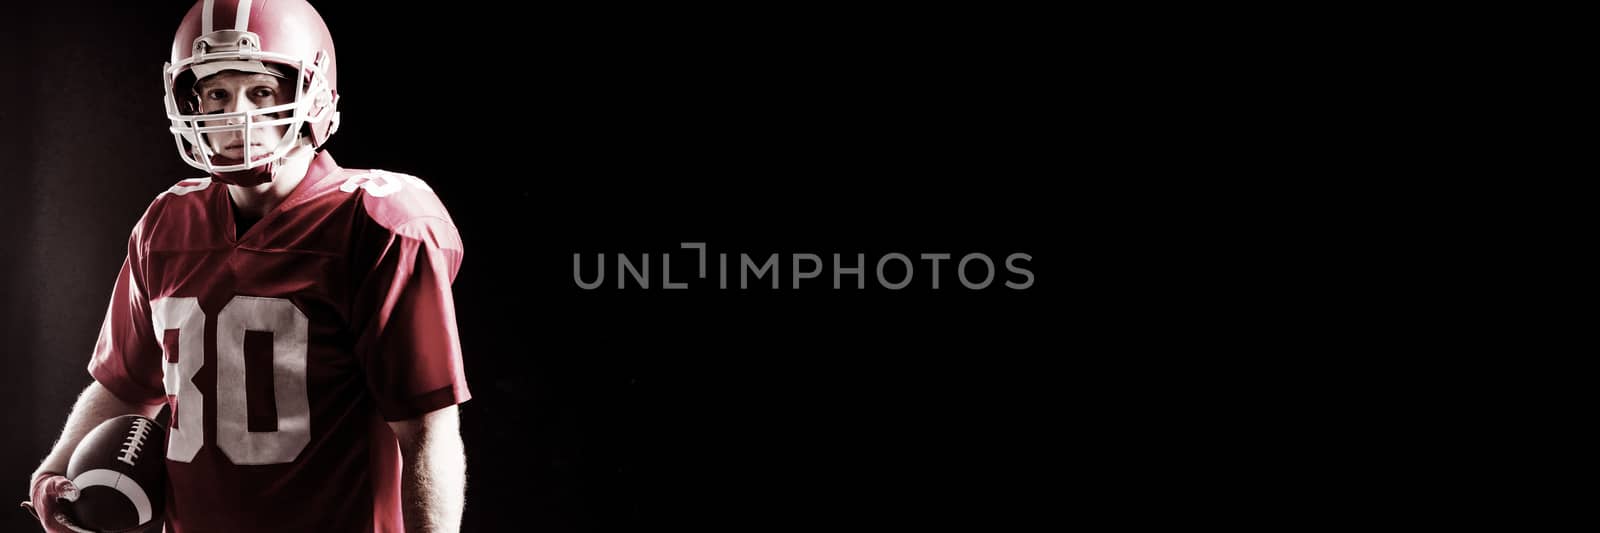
pixel 48 492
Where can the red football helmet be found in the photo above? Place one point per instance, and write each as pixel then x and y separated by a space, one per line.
pixel 288 38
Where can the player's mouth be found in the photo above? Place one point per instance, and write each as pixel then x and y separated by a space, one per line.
pixel 236 152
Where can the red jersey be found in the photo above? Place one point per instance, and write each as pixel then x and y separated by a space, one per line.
pixel 283 351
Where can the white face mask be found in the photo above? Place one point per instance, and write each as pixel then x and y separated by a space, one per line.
pixel 237 50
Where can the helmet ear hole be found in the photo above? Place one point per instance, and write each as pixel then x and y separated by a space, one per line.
pixel 183 93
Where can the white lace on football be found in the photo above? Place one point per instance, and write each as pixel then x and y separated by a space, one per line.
pixel 135 441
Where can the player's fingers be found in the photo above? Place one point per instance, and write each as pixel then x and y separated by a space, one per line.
pixel 44 503
pixel 51 524
pixel 63 489
pixel 66 523
pixel 52 487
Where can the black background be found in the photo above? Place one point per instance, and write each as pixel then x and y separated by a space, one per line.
pixel 549 133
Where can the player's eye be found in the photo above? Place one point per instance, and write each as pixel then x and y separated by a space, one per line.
pixel 217 94
pixel 262 92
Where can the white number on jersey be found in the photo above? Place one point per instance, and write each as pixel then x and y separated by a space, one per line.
pixel 289 328
pixel 381 183
pixel 193 185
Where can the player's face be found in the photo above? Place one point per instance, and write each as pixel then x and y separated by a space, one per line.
pixel 233 92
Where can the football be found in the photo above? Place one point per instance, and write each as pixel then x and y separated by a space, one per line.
pixel 121 473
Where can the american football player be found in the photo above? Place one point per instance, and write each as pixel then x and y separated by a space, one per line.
pixel 296 317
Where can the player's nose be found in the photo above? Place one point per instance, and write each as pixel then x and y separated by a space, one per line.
pixel 238 105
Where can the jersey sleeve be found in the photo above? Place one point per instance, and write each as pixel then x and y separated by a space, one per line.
pixel 127 357
pixel 406 317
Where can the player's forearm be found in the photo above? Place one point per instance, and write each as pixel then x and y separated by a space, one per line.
pixel 94 406
pixel 434 478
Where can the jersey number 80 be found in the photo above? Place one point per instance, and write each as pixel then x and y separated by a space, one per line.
pixel 288 327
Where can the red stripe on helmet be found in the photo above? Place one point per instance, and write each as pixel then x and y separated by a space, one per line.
pixel 223 13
